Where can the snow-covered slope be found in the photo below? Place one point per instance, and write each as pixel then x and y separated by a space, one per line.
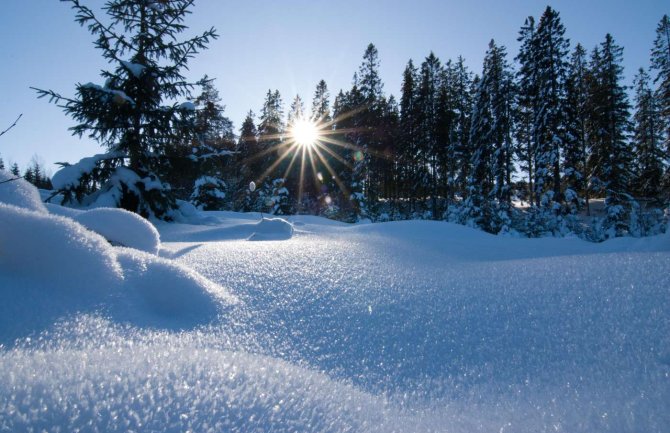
pixel 408 327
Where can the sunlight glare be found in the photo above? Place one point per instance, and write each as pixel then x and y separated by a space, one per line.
pixel 305 133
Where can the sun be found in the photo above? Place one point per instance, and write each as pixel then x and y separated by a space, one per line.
pixel 305 133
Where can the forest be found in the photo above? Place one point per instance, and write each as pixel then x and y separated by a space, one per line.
pixel 549 141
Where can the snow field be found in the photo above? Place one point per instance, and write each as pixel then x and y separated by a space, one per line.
pixel 407 326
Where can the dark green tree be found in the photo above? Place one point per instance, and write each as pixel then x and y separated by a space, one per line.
pixel 132 113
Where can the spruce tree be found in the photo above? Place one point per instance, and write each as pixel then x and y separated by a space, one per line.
pixel 647 140
pixel 576 146
pixel 461 152
pixel 2 164
pixel 368 118
pixel 551 50
pixel 430 82
pixel 409 140
pixel 321 104
pixel 246 164
pixel 131 114
pixel 611 153
pixel 15 170
pixel 488 204
pixel 527 104
pixel 212 147
pixel 660 64
pixel 273 152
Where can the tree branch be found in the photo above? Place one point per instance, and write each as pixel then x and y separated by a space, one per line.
pixel 12 125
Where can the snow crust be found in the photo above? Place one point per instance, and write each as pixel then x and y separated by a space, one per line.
pixel 396 327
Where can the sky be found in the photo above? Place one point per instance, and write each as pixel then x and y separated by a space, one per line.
pixel 287 45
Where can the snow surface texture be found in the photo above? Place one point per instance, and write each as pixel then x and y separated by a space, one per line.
pixel 407 326
pixel 52 267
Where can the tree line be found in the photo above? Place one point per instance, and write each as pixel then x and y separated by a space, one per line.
pixel 523 147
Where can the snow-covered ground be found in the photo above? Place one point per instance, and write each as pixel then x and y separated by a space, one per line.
pixel 239 324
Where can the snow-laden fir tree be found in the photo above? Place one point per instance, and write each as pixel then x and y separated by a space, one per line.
pixel 270 138
pixel 430 79
pixel 526 105
pixel 132 113
pixel 611 153
pixel 647 140
pixel 660 64
pixel 368 119
pixel 2 164
pixel 14 169
pixel 460 150
pixel 408 151
pixel 352 171
pixel 212 148
pixel 576 145
pixel 488 204
pixel 246 165
pixel 551 50
pixel 321 104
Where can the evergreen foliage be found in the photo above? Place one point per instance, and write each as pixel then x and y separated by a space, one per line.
pixel 130 113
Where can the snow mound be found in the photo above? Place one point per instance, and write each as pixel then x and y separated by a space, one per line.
pixel 121 228
pixel 161 293
pixel 53 267
pixel 272 229
pixel 34 244
pixel 20 193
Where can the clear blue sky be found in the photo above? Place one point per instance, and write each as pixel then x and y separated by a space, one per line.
pixel 287 45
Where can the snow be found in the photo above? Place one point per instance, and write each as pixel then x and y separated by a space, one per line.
pixel 402 326
pixel 68 176
pixel 188 106
pixel 135 68
pixel 19 192
pixel 52 267
pixel 122 228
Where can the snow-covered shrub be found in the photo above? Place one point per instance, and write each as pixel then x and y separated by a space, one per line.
pixel 209 193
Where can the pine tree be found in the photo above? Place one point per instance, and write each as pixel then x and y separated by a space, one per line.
pixel 368 119
pixel 460 151
pixel 527 104
pixel 2 164
pixel 270 133
pixel 15 170
pixel 128 114
pixel 647 140
pixel 488 204
pixel 212 147
pixel 29 175
pixel 551 50
pixel 273 151
pixel 246 164
pixel 429 145
pixel 611 154
pixel 576 147
pixel 660 64
pixel 409 148
pixel 321 104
